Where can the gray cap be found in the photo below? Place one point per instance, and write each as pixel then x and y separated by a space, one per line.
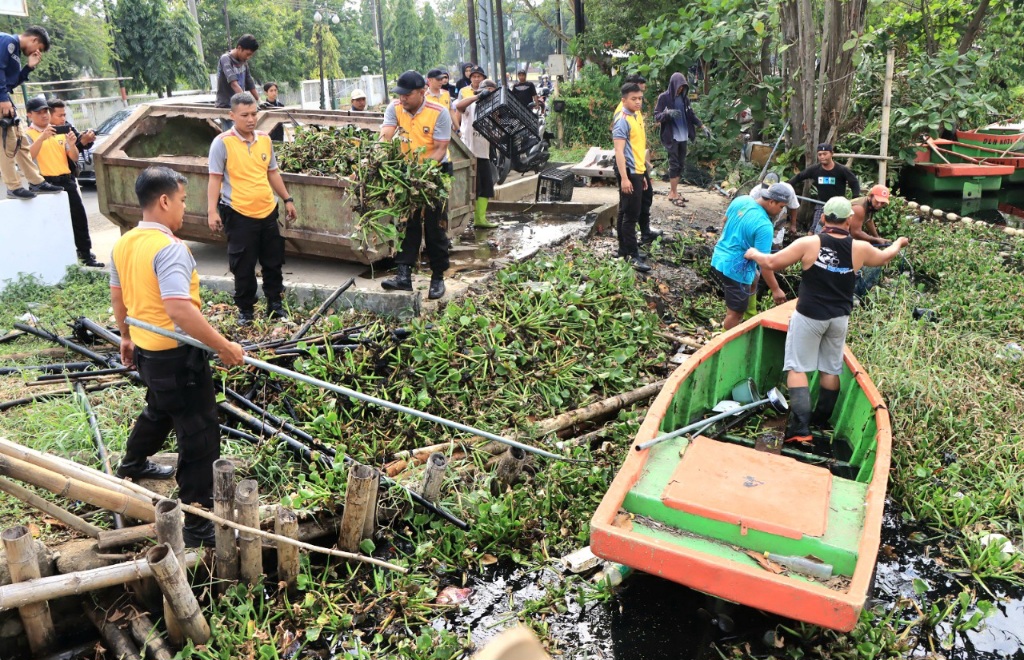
pixel 791 202
pixel 778 192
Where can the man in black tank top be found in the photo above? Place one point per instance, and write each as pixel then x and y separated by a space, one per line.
pixel 817 330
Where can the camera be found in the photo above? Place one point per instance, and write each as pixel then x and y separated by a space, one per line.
pixel 63 129
pixel 8 122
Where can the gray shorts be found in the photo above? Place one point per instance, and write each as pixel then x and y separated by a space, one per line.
pixel 813 345
pixel 737 294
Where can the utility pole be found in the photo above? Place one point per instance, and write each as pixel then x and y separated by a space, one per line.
pixel 581 21
pixel 199 37
pixel 379 20
pixel 474 53
pixel 558 20
pixel 499 16
pixel 227 25
pixel 117 62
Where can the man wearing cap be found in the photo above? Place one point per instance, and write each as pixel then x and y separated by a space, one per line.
pixel 817 329
pixel 862 222
pixel 481 148
pixel 32 43
pixel 436 93
pixel 747 224
pixel 51 151
pixel 476 76
pixel 358 100
pixel 153 278
pixel 792 204
pixel 424 128
pixel 233 75
pixel 829 179
pixel 525 91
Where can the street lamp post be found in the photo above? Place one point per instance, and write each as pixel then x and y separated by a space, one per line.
pixel 318 18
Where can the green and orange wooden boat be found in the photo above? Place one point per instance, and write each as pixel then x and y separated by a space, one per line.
pixel 964 178
pixel 705 512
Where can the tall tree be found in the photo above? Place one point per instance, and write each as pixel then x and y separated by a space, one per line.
pixel 402 36
pixel 430 39
pixel 157 46
pixel 80 41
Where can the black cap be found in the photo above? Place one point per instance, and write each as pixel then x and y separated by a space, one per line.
pixel 436 73
pixel 478 69
pixel 36 103
pixel 825 146
pixel 522 71
pixel 408 82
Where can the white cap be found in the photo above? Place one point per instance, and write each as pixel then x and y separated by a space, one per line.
pixel 791 203
pixel 358 94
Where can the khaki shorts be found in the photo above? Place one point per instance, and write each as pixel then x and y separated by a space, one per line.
pixel 813 345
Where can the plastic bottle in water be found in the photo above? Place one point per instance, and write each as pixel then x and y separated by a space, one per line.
pixel 803 565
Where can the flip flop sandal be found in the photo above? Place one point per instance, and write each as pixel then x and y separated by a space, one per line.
pixel 679 202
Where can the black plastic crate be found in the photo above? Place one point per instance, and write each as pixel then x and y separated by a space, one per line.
pixel 555 185
pixel 506 123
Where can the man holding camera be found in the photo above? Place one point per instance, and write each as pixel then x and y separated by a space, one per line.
pixel 54 149
pixel 32 43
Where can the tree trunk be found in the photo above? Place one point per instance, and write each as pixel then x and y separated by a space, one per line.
pixel 974 27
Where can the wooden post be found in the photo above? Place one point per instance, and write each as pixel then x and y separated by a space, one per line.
pixel 226 553
pixel 148 637
pixel 118 642
pixel 178 593
pixel 370 521
pixel 433 476
pixel 24 565
pixel 250 547
pixel 169 521
pixel 510 465
pixel 49 508
pixel 886 106
pixel 286 523
pixel 357 500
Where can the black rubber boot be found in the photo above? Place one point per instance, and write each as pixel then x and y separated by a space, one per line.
pixel 797 429
pixel 400 282
pixel 89 259
pixel 144 469
pixel 198 531
pixel 436 287
pixel 246 316
pixel 826 404
pixel 276 310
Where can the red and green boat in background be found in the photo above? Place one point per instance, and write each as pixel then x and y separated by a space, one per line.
pixel 942 169
pixel 721 517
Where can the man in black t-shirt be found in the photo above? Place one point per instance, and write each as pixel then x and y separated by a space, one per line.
pixel 830 180
pixel 526 91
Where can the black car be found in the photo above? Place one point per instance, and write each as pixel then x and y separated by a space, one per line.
pixel 86 171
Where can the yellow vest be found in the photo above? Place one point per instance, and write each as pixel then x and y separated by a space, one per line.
pixel 53 155
pixel 444 98
pixel 637 139
pixel 418 130
pixel 466 92
pixel 247 167
pixel 133 258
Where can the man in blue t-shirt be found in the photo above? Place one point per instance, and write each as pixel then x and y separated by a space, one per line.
pixel 747 224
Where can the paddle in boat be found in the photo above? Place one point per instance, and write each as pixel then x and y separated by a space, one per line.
pixel 744 525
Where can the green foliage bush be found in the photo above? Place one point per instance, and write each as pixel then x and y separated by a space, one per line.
pixel 589 103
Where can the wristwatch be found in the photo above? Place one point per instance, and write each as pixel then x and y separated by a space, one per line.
pixel 289 199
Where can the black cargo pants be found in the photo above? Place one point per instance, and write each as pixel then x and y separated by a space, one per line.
pixel 79 218
pixel 429 225
pixel 252 241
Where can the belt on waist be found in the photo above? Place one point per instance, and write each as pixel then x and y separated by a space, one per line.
pixel 60 178
pixel 180 351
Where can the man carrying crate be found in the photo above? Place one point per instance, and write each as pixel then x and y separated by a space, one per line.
pixel 481 148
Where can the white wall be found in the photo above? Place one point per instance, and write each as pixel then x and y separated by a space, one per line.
pixel 36 237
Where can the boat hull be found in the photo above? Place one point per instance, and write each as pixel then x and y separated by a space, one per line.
pixel 715 558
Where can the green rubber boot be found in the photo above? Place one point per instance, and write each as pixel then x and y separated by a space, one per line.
pixel 480 215
pixel 751 307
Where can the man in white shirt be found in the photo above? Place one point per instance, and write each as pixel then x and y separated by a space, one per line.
pixel 481 148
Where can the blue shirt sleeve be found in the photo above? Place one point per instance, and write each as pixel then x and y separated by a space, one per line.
pixel 763 237
pixel 620 130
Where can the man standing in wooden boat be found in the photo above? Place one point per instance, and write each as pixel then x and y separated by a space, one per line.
pixel 817 330
pixel 748 224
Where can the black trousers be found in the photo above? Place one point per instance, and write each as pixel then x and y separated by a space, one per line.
pixel 644 220
pixel 180 395
pixel 429 225
pixel 250 241
pixel 79 218
pixel 630 207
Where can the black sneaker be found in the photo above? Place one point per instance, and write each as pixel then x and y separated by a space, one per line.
pixel 89 259
pixel 45 188
pixel 649 237
pixel 144 469
pixel 245 317
pixel 21 193
pixel 276 310
pixel 639 264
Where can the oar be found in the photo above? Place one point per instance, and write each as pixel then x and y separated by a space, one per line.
pixel 316 382
pixel 774 398
pixel 938 153
pixel 764 170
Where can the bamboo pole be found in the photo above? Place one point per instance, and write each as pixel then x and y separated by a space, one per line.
pixel 286 523
pixel 357 500
pixel 75 489
pixel 883 164
pixel 119 643
pixel 78 582
pixel 433 476
pixel 97 439
pixel 24 565
pixel 110 539
pixel 370 521
pixel 169 522
pixel 49 508
pixel 147 636
pixel 178 593
pixel 510 465
pixel 250 548
pixel 202 513
pixel 225 555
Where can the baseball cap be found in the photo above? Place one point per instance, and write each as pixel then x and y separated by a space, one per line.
pixel 777 192
pixel 358 94
pixel 478 69
pixel 436 73
pixel 36 103
pixel 837 208
pixel 409 82
pixel 791 202
pixel 825 146
pixel 880 192
pixel 522 71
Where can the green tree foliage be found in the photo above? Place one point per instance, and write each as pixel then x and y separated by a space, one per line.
pixel 330 53
pixel 430 39
pixel 282 31
pixel 402 36
pixel 156 43
pixel 357 47
pixel 80 43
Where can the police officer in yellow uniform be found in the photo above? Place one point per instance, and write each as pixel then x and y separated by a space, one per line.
pixel 647 235
pixel 51 151
pixel 436 93
pixel 153 278
pixel 420 124
pixel 240 200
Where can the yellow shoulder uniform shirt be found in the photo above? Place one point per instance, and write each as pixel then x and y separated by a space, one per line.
pixel 443 98
pixel 244 166
pixel 423 129
pixel 466 92
pixel 629 126
pixel 53 155
pixel 150 265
